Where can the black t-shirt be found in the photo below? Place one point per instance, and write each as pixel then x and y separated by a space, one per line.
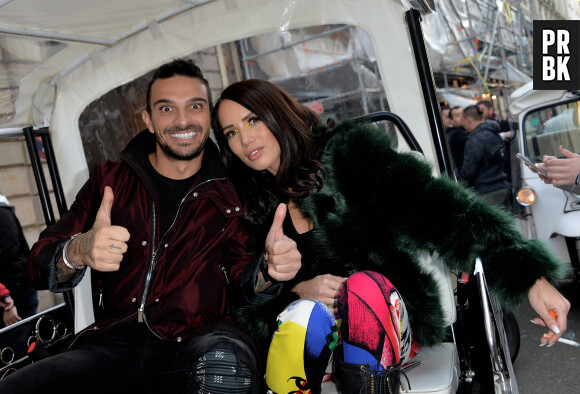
pixel 171 192
pixel 305 242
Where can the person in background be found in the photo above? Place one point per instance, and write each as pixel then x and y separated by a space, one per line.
pixel 487 113
pixel 563 171
pixel 22 299
pixel 356 209
pixel 484 158
pixel 504 131
pixel 10 313
pixel 161 231
pixel 456 138
pixel 445 118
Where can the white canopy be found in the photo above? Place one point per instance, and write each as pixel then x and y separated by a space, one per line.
pixel 44 40
pixel 61 55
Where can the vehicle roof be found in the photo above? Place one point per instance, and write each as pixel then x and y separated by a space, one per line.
pixel 43 41
pixel 526 98
pixel 61 55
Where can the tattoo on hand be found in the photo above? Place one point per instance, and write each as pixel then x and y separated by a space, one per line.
pixel 83 245
pixel 63 273
pixel 261 284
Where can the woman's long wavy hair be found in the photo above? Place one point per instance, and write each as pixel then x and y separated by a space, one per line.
pixel 292 125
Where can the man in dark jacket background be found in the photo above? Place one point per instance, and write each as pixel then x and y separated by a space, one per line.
pixel 483 158
pixel 504 131
pixel 22 300
pixel 456 137
pixel 161 231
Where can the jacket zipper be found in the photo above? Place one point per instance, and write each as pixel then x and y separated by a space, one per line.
pixel 154 253
pixel 149 275
pixel 225 272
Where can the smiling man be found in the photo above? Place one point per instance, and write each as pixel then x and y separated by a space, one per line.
pixel 161 230
pixel 179 118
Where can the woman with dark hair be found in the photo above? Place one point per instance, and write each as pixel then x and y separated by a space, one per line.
pixel 357 210
pixel 299 171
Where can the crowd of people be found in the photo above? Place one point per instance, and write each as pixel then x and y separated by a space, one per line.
pixel 479 145
pixel 212 267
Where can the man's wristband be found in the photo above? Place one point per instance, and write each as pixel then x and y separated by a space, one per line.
pixel 577 180
pixel 66 258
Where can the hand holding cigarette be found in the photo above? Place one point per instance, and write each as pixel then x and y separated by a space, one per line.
pixel 548 335
pixel 564 340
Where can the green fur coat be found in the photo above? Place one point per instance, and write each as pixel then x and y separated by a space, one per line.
pixel 379 209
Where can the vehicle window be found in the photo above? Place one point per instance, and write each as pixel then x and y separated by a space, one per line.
pixel 332 69
pixel 548 128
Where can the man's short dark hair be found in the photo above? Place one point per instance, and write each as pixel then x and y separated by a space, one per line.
pixel 473 112
pixel 487 103
pixel 185 68
pixel 450 115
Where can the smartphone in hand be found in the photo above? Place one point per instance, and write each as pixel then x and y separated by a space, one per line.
pixel 529 162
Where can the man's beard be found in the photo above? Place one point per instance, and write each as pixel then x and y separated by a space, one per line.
pixel 170 153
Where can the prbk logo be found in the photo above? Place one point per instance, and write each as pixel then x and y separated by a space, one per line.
pixel 556 55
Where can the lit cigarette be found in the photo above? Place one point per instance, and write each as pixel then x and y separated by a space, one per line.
pixel 565 341
pixel 569 342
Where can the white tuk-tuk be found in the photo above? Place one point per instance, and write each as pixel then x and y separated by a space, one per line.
pixel 82 90
pixel 548 119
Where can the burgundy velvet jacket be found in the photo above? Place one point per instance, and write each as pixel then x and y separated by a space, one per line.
pixel 177 283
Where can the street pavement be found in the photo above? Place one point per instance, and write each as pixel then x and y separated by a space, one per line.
pixel 549 370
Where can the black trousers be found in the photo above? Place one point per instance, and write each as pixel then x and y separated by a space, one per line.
pixel 135 361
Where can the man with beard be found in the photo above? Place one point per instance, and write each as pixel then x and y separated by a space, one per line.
pixel 161 231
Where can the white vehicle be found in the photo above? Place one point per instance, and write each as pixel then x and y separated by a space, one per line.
pixel 546 120
pixel 82 84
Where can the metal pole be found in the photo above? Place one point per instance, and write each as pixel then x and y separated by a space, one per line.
pixel 413 18
pixel 53 170
pixel 39 176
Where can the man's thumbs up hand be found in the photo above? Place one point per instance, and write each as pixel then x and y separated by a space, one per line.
pixel 101 247
pixel 103 218
pixel 284 259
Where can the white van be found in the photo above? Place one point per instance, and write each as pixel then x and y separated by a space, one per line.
pixel 546 120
